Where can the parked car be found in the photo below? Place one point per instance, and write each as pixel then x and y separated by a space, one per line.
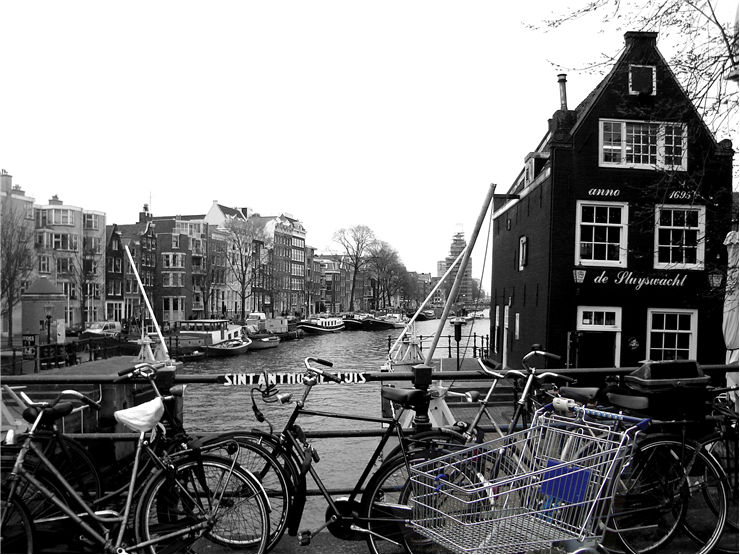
pixel 102 329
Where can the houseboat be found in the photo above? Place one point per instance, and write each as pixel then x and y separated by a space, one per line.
pixel 330 324
pixel 199 333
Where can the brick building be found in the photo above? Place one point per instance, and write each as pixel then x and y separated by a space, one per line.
pixel 608 247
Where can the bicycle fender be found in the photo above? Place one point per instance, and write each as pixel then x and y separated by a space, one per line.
pixel 295 510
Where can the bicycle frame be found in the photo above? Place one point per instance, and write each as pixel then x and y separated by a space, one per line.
pixel 292 438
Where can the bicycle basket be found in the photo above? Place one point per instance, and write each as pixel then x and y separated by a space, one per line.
pixel 522 493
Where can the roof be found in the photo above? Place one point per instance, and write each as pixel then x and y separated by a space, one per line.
pixel 43 286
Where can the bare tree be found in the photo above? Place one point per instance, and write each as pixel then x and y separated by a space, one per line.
pixel 355 241
pixel 705 49
pixel 388 271
pixel 16 242
pixel 242 238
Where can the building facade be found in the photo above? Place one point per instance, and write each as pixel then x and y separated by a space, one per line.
pixel 70 250
pixel 608 247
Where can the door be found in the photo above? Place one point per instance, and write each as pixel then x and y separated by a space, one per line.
pixel 596 349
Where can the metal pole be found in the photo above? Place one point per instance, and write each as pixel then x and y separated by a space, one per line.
pixel 461 271
pixel 146 301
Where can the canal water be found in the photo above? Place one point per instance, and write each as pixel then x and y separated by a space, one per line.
pixel 221 408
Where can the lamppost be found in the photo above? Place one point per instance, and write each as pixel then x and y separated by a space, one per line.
pixel 715 279
pixel 48 310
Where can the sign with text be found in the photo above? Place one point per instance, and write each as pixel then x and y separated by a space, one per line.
pixel 638 280
pixel 282 378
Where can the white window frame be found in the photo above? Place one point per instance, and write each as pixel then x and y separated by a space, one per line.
pixel 660 146
pixel 523 252
pixel 623 240
pixel 693 331
pixel 629 79
pixel 700 243
pixel 616 327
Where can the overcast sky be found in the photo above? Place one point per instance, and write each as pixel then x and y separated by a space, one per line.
pixel 393 114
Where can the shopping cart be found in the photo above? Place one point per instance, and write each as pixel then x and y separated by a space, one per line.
pixel 531 491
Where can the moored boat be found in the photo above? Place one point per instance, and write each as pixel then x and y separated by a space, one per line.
pixel 398 320
pixel 260 342
pixel 230 347
pixel 373 324
pixel 353 322
pixel 331 324
pixel 189 334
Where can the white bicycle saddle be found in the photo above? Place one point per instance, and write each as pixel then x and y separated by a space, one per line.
pixel 143 417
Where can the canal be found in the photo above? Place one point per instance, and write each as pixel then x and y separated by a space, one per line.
pixel 215 408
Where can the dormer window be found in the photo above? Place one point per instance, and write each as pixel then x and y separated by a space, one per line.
pixel 641 80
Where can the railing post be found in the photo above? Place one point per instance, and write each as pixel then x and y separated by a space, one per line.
pixel 449 346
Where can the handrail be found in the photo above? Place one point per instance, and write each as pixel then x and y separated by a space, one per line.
pixel 373 376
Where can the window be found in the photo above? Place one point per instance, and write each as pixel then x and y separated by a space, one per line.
pixel 172 279
pixel 642 145
pixel 59 216
pixel 91 221
pixel 91 244
pixel 175 241
pixel 679 237
pixel 44 265
pixel 173 260
pixel 64 265
pixel 601 234
pixel 641 80
pixel 522 253
pixel 599 318
pixel 671 334
pixel 64 241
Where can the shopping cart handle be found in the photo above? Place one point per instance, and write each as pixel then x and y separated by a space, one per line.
pixel 561 404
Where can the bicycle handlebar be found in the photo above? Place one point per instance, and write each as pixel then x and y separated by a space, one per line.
pixel 144 369
pixel 323 373
pixel 64 393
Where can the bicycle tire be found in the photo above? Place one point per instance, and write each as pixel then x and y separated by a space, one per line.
pixel 709 502
pixel 166 506
pixel 653 497
pixel 267 469
pixel 16 528
pixel 725 450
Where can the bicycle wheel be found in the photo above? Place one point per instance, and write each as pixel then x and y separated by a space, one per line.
pixel 661 489
pixel 710 493
pixel 724 450
pixel 271 474
pixel 203 504
pixel 16 531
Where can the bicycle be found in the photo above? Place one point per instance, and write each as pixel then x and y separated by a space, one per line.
pixel 671 483
pixel 68 455
pixel 367 512
pixel 191 496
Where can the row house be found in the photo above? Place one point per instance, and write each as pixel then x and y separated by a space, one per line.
pixel 141 242
pixel 70 252
pixel 608 248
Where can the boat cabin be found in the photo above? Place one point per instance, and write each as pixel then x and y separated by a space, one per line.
pixel 209 331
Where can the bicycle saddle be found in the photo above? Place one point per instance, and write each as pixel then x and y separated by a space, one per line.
pixel 50 414
pixel 407 398
pixel 143 417
pixel 580 394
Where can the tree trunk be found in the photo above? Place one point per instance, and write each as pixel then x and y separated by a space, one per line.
pixel 10 324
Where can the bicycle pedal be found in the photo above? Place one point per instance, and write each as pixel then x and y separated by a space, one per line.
pixel 304 537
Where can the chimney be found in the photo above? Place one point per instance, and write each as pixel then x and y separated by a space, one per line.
pixel 634 37
pixel 563 95
pixel 54 201
pixel 6 181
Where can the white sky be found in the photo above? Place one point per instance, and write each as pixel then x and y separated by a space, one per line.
pixel 393 114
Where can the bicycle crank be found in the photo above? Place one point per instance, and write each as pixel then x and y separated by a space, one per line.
pixel 340 525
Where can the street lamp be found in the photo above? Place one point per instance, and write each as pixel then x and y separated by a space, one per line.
pixel 715 279
pixel 48 311
pixel 579 274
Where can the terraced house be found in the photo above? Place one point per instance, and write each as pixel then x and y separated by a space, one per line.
pixel 608 247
